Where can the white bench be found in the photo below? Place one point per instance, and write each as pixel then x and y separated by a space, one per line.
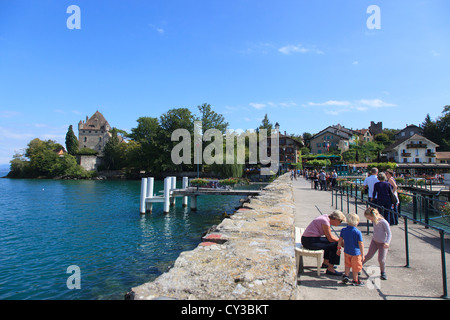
pixel 301 252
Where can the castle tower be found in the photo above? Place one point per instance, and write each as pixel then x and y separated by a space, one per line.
pixel 94 133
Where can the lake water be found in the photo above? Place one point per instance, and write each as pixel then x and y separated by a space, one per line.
pixel 48 225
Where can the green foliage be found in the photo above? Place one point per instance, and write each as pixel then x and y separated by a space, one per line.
pixel 266 124
pixel 41 160
pixel 113 155
pixel 361 153
pixel 382 166
pixel 71 141
pixel 86 152
pixel 199 182
pixel 229 181
pixel 318 163
pixel 438 130
pixel 212 120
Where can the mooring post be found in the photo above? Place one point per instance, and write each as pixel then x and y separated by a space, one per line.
pixel 143 195
pixel 150 183
pixel 173 186
pixel 193 203
pixel 167 185
pixel 185 185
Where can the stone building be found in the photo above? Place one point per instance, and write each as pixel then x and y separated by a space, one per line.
pixel 333 138
pixel 376 128
pixel 94 132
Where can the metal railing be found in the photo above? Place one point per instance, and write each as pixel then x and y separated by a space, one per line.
pixel 351 191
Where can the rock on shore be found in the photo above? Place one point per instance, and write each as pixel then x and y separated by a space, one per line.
pixel 248 256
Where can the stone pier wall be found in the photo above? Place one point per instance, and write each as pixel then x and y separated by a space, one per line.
pixel 248 256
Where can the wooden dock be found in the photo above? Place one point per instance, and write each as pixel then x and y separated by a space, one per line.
pixel 170 193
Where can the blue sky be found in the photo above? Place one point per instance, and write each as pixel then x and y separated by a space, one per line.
pixel 307 64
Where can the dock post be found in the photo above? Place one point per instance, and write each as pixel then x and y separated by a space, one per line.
pixel 143 195
pixel 185 185
pixel 150 183
pixel 194 203
pixel 167 185
pixel 173 182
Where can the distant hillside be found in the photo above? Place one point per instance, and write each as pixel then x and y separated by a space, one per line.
pixel 4 169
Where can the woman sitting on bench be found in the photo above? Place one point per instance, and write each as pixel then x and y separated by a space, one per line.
pixel 313 239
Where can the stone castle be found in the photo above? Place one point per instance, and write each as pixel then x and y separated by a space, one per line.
pixel 94 132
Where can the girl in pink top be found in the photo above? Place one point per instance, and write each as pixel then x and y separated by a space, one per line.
pixel 381 239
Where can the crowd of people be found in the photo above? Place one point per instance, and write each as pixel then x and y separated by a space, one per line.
pixel 380 187
pixel 320 179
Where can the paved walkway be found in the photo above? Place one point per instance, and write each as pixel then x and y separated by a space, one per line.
pixel 422 281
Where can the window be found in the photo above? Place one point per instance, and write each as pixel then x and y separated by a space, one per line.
pixel 85 139
pixel 403 134
pixel 100 139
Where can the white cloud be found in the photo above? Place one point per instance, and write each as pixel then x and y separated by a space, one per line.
pixel 290 49
pixel 157 29
pixel 258 106
pixel 9 134
pixel 9 114
pixel 376 103
pixel 342 106
pixel 330 103
pixel 337 112
pixel 272 104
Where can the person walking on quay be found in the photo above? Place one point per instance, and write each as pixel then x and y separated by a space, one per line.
pixel 323 180
pixel 333 178
pixel 381 239
pixel 318 236
pixel 351 240
pixel 382 193
pixel 390 178
pixel 369 183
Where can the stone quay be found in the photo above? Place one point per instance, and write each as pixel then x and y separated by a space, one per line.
pixel 248 256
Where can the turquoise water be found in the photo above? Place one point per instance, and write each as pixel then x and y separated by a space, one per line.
pixel 48 225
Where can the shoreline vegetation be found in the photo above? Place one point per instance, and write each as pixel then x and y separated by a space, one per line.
pixel 147 149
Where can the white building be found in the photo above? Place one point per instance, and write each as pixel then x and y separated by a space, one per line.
pixel 414 149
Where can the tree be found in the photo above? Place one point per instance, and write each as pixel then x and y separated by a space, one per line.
pixel 212 120
pixel 431 130
pixel 179 118
pixel 438 131
pixel 147 137
pixel 265 124
pixel 307 139
pixel 71 141
pixel 112 153
pixel 43 161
